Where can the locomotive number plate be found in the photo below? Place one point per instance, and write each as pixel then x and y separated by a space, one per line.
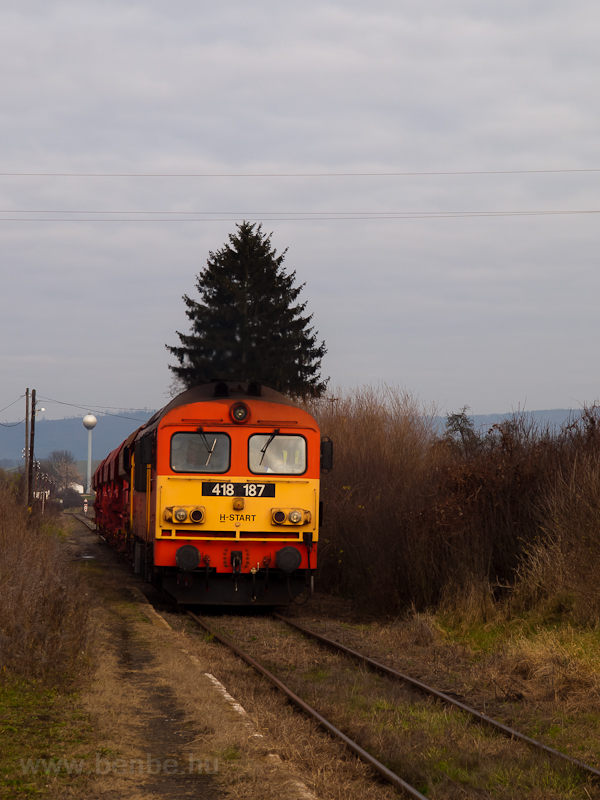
pixel 238 490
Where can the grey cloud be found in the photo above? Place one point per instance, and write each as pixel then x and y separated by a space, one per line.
pixel 463 311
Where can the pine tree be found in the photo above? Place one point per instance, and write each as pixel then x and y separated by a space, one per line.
pixel 247 325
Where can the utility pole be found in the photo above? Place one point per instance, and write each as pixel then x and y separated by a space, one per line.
pixel 30 465
pixel 26 451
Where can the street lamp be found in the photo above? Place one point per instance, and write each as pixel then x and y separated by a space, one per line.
pixel 89 422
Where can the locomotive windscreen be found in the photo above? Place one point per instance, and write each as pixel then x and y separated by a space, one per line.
pixel 200 452
pixel 279 454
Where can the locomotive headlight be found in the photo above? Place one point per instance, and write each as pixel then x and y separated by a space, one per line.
pixel 240 412
pixel 168 514
pixel 180 514
pixel 197 515
pixel 290 516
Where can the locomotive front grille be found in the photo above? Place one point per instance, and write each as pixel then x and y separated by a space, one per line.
pixel 207 534
pixel 261 535
pixel 270 535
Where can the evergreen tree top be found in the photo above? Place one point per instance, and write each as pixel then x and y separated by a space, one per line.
pixel 247 324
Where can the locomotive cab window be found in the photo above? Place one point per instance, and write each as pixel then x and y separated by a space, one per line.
pixel 200 452
pixel 277 453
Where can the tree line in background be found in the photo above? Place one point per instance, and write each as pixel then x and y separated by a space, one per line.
pixel 57 478
pixel 60 466
pixel 476 523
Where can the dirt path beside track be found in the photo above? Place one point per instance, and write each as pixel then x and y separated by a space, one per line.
pixel 164 727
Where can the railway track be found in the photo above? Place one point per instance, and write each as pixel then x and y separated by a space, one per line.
pixel 87 521
pixel 553 757
pixel 399 781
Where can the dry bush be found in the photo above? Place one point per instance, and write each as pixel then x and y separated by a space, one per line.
pixel 561 572
pixel 383 466
pixel 44 610
pixel 487 514
pixel 415 518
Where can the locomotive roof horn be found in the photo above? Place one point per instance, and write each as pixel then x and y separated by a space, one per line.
pixel 221 389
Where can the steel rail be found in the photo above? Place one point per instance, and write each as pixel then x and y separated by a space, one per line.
pixel 85 520
pixel 445 698
pixel 386 773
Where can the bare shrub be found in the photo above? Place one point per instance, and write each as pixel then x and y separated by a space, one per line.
pixel 415 518
pixel 44 611
pixel 562 569
pixel 383 464
pixel 487 513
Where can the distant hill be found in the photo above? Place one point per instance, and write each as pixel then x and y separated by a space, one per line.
pixel 553 418
pixel 69 434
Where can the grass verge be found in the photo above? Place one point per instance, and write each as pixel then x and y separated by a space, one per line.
pixel 45 741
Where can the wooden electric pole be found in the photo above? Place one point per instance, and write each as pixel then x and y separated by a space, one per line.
pixel 31 445
pixel 26 451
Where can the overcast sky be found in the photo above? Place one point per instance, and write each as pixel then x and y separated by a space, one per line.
pixel 495 312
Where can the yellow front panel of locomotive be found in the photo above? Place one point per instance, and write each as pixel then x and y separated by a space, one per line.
pixel 245 509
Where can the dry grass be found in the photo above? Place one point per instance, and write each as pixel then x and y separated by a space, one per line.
pixel 561 573
pixel 269 754
pixel 545 683
pixel 151 695
pixel 373 497
pixel 437 749
pixel 43 626
pixel 462 520
pixel 326 767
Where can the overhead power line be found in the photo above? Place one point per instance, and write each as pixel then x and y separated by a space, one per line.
pixel 98 409
pixel 275 216
pixel 299 213
pixel 12 424
pixel 286 174
pixel 12 404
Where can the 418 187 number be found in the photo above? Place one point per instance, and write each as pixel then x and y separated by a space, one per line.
pixel 238 489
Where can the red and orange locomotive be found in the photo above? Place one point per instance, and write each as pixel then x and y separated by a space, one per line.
pixel 216 497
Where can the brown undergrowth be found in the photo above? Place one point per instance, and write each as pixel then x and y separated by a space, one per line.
pixel 485 523
pixel 43 626
pixel 538 686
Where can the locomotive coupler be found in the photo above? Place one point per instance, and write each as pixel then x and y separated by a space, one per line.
pixel 266 562
pixel 308 541
pixel 236 562
pixel 185 578
pixel 207 562
pixel 254 570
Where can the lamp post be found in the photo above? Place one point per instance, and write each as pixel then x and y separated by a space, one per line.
pixel 89 422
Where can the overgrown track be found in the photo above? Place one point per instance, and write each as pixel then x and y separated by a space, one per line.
pixel 356 656
pixel 86 520
pixel 386 773
pixel 444 698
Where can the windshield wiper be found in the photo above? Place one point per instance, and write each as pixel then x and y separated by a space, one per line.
pixel 264 449
pixel 209 450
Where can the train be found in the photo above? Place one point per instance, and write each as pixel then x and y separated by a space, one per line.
pixel 216 498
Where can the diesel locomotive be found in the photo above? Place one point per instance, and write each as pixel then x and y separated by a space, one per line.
pixel 216 497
